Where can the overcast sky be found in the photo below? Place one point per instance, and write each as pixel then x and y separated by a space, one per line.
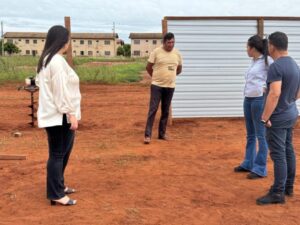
pixel 128 15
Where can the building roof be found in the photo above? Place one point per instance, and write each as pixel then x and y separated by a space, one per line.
pixel 73 35
pixel 145 35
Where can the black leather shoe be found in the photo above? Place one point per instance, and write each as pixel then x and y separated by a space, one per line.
pixel 289 192
pixel 271 198
pixel 240 169
pixel 253 176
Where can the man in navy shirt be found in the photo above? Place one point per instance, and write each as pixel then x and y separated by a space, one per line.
pixel 279 116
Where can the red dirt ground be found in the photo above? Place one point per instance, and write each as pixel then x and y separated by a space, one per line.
pixel 188 180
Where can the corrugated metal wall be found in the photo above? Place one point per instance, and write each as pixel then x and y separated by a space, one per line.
pixel 292 29
pixel 215 61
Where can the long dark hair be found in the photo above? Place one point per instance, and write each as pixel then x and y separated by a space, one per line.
pixel 56 39
pixel 260 44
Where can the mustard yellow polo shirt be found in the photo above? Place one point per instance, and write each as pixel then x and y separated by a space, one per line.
pixel 165 66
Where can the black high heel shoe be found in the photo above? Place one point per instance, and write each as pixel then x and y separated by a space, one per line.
pixel 69 203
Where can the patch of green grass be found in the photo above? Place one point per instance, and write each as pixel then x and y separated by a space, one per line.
pixel 83 60
pixel 20 60
pixel 17 68
pixel 114 74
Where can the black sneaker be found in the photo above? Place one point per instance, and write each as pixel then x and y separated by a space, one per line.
pixel 271 198
pixel 253 176
pixel 240 169
pixel 289 192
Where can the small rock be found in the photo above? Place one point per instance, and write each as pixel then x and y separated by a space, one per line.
pixel 17 134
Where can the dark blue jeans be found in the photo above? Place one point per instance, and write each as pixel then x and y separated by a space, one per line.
pixel 60 141
pixel 157 95
pixel 255 161
pixel 283 156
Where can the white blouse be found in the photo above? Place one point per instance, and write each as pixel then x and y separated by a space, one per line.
pixel 256 77
pixel 58 92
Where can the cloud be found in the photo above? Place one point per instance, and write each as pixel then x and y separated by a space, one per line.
pixel 130 15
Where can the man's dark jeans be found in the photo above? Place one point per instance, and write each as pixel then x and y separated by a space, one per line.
pixel 164 95
pixel 282 153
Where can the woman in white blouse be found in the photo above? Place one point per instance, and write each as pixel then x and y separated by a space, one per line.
pixel 256 76
pixel 58 111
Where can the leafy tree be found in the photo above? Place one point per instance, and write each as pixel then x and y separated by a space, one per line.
pixel 127 50
pixel 120 51
pixel 0 47
pixel 11 48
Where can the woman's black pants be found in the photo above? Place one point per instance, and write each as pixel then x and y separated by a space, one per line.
pixel 60 141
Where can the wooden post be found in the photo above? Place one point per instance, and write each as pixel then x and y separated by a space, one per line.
pixel 260 27
pixel 164 23
pixel 69 51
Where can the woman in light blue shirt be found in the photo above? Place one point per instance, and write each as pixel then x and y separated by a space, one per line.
pixel 256 76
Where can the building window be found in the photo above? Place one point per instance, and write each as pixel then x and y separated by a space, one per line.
pixel 136 53
pixel 97 51
pixel 146 51
pixel 90 53
pixel 74 40
pixel 90 42
pixel 27 41
pixel 10 41
pixel 20 39
pixel 136 42
pixel 34 52
pixel 154 42
pixel 34 41
pixel 146 40
pixel 107 42
pixel 82 42
pixel 81 52
pixel 27 52
pixel 43 40
pixel 107 53
pixel 97 41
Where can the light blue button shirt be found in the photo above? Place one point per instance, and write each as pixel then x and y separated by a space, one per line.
pixel 256 77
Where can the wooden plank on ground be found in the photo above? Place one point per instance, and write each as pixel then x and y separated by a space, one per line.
pixel 12 157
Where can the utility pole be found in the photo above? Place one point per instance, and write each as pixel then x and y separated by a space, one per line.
pixel 114 38
pixel 2 40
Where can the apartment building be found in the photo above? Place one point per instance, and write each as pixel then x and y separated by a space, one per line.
pixel 142 44
pixel 83 44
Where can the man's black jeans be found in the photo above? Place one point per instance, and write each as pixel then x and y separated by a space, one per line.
pixel 60 141
pixel 164 95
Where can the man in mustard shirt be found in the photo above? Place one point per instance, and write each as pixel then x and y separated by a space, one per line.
pixel 164 64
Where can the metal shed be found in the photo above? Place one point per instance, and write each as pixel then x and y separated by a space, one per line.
pixel 215 60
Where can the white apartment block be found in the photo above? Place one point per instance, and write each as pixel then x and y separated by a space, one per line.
pixel 83 44
pixel 142 44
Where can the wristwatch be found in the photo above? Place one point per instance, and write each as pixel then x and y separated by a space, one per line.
pixel 264 121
